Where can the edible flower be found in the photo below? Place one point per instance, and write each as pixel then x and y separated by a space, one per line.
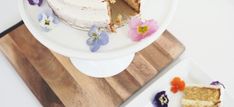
pixel 35 2
pixel 161 99
pixel 177 84
pixel 139 29
pixel 47 20
pixel 217 83
pixel 97 38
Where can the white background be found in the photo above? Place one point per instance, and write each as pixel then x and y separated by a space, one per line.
pixel 205 27
pixel 9 14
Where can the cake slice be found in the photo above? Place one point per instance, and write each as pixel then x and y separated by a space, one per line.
pixel 201 96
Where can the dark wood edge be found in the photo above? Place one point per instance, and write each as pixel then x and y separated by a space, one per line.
pixel 11 28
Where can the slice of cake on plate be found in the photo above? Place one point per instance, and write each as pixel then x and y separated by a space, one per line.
pixel 201 96
pixel 82 14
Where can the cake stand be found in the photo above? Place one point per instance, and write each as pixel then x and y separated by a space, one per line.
pixel 112 58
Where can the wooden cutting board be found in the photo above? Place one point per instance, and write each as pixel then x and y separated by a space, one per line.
pixel 56 82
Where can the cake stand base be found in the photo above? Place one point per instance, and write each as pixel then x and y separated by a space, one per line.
pixel 102 68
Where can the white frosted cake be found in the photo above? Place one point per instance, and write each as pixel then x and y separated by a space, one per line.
pixel 82 14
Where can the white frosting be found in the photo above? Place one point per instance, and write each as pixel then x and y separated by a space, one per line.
pixel 82 13
pixel 96 4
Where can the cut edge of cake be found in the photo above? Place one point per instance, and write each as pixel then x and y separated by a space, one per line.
pixel 135 4
pixel 193 98
pixel 120 11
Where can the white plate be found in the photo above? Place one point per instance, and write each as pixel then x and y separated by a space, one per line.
pixel 72 43
pixel 188 71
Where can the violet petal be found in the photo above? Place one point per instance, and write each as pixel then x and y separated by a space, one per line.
pixel 95 46
pixel 90 41
pixel 40 2
pixel 45 29
pixel 56 19
pixel 36 1
pixel 217 83
pixel 104 38
pixel 40 17
pixel 31 2
pixel 161 99
pixel 92 30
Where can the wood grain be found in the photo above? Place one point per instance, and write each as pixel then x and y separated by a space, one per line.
pixel 56 82
pixel 29 74
pixel 141 69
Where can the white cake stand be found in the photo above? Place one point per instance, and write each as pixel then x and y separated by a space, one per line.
pixel 110 59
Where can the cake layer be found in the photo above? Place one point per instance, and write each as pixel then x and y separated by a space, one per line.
pixel 135 4
pixel 81 15
pixel 198 103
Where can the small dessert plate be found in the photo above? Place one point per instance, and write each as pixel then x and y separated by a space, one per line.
pixel 186 70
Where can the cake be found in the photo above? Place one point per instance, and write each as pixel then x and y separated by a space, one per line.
pixel 135 4
pixel 201 96
pixel 82 14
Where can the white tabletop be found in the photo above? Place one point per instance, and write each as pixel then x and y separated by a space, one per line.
pixel 9 14
pixel 13 91
pixel 205 27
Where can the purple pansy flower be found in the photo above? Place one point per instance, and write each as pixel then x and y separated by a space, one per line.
pixel 35 2
pixel 47 20
pixel 161 99
pixel 97 38
pixel 217 83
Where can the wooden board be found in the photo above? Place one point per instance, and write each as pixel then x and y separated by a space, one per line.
pixel 57 83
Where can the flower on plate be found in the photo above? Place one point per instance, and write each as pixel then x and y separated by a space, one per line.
pixel 35 2
pixel 217 83
pixel 139 29
pixel 47 20
pixel 161 99
pixel 97 38
pixel 177 84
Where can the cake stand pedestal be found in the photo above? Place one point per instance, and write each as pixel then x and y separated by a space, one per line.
pixel 102 68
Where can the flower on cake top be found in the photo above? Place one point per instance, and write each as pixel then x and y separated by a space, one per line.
pixel 161 99
pixel 177 84
pixel 97 38
pixel 139 29
pixel 47 20
pixel 35 2
pixel 217 83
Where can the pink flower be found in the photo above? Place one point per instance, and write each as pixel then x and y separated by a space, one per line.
pixel 139 29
